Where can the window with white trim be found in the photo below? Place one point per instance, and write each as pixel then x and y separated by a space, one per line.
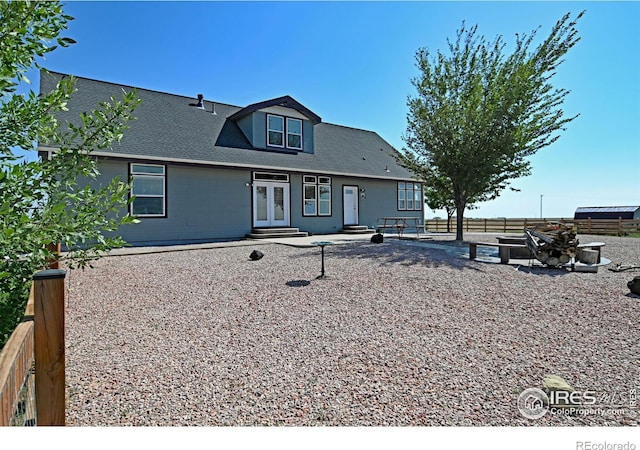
pixel 294 133
pixel 149 190
pixel 316 195
pixel 275 131
pixel 324 196
pixel 277 177
pixel 409 196
pixel 284 132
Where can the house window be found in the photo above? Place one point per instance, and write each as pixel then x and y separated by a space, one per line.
pixel 324 196
pixel 409 196
pixel 294 134
pixel 277 177
pixel 276 132
pixel 317 195
pixel 149 186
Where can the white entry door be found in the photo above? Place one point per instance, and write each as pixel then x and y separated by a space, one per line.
pixel 350 204
pixel 270 204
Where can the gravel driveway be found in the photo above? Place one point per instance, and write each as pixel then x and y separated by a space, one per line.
pixel 399 334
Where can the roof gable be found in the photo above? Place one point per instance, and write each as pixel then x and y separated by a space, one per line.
pixel 286 102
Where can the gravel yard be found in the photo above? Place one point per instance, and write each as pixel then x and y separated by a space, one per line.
pixel 398 334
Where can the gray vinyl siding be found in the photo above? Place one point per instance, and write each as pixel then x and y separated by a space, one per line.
pixel 380 200
pixel 259 129
pixel 246 125
pixel 208 204
pixel 307 136
pixel 203 204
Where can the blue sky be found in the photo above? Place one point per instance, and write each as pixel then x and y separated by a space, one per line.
pixel 351 63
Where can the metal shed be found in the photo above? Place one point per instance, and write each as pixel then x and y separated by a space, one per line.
pixel 607 212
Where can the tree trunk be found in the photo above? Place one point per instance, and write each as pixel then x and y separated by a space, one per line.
pixel 459 222
pixel 460 206
pixel 450 212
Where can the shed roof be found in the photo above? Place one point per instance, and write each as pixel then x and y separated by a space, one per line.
pixel 606 209
pixel 168 129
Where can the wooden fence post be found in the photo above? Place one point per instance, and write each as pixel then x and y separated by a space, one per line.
pixel 49 346
pixel 55 249
pixel 620 226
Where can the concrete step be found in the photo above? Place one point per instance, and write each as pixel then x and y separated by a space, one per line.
pixel 276 235
pixel 276 232
pixel 357 229
pixel 283 230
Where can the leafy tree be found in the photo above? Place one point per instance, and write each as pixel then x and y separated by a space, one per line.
pixel 53 199
pixel 438 196
pixel 479 113
pixel 438 193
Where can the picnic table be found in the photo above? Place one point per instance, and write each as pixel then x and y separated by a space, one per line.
pixel 400 224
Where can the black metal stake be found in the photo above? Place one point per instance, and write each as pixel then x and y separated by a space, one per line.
pixel 322 269
pixel 322 244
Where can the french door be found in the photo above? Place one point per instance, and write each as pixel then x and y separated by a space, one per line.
pixel 270 204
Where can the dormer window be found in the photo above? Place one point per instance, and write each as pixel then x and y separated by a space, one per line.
pixel 294 133
pixel 276 132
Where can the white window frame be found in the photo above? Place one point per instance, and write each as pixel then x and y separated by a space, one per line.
pixel 316 182
pixel 291 133
pixel 154 175
pixel 283 131
pixel 416 203
pixel 305 199
pixel 271 177
pixel 326 182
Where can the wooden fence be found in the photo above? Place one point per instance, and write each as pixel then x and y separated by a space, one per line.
pixel 17 397
pixel 32 362
pixel 618 227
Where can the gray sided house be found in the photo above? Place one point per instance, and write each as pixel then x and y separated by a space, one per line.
pixel 205 171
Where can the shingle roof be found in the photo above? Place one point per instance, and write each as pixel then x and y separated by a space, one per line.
pixel 168 129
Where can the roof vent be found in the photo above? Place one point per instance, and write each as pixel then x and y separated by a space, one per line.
pixel 200 103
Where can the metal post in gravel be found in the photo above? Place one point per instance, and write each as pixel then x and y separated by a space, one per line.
pixel 322 245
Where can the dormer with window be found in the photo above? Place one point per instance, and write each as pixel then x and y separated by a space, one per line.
pixel 281 124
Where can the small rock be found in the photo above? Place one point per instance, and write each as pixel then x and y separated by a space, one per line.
pixel 256 255
pixel 553 386
pixel 555 383
pixel 634 285
pixel 377 238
